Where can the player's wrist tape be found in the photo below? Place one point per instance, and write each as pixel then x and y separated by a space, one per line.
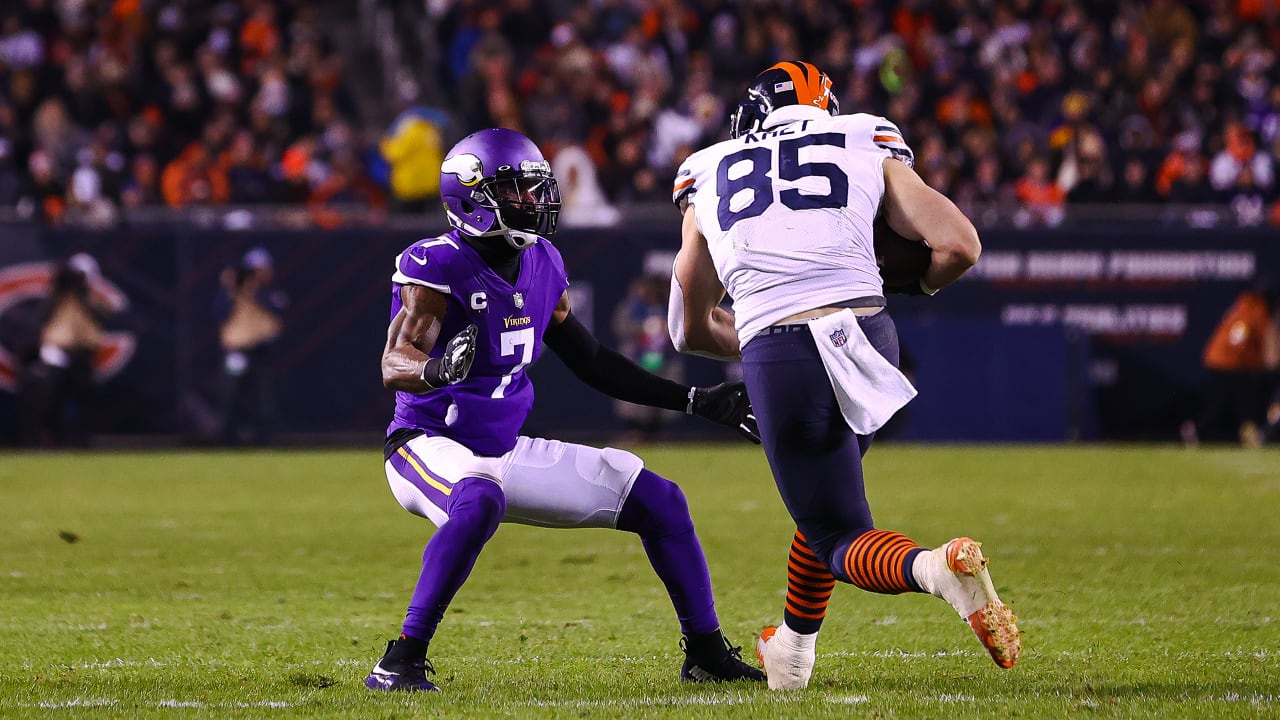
pixel 431 370
pixel 693 393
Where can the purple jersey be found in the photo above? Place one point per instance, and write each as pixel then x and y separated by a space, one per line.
pixel 484 412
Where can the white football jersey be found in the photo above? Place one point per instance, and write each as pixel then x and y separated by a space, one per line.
pixel 788 211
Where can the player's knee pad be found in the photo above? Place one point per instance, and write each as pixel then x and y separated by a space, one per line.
pixel 656 507
pixel 621 462
pixel 481 502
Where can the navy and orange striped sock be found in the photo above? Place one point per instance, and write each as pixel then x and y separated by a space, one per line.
pixel 809 586
pixel 879 561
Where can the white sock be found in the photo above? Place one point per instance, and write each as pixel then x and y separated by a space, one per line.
pixel 923 569
pixel 800 642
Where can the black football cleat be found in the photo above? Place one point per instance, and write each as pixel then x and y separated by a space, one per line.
pixel 401 675
pixel 715 662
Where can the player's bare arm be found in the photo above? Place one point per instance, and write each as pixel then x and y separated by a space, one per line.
pixel 406 362
pixel 918 212
pixel 608 371
pixel 695 319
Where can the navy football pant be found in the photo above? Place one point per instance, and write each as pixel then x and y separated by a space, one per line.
pixel 815 457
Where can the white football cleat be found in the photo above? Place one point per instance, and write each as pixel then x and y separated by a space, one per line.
pixel 787 663
pixel 957 573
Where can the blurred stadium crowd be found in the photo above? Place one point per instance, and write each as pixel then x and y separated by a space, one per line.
pixel 130 103
pixel 1033 106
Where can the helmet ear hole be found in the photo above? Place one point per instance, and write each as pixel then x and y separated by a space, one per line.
pixel 467 207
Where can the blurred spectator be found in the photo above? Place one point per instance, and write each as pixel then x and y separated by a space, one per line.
pixel 1191 187
pixel 583 201
pixel 248 309
pixel 45 198
pixel 1238 156
pixel 1042 198
pixel 245 170
pixel 346 183
pixel 142 186
pixel 1085 173
pixel 414 147
pixel 194 178
pixel 56 386
pixel 1135 183
pixel 1242 355
pixel 640 327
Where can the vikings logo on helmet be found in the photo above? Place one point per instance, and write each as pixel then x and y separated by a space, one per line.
pixel 496 182
pixel 467 167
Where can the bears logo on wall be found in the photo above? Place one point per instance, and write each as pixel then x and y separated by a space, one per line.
pixel 30 282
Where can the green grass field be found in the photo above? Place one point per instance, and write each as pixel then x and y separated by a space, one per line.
pixel 265 585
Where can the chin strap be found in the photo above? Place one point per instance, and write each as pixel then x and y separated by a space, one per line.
pixel 519 239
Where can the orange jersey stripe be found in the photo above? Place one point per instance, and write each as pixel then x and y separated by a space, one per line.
pixel 888 138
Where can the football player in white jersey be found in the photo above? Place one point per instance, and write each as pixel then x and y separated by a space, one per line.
pixel 781 216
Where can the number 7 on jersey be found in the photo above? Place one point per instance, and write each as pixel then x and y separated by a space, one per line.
pixel 510 341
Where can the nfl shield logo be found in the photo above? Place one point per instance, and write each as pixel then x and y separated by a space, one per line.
pixel 518 299
pixel 838 338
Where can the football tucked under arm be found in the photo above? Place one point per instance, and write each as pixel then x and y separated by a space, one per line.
pixel 902 262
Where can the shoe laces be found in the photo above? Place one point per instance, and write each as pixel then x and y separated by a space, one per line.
pixel 732 652
pixel 735 651
pixel 424 665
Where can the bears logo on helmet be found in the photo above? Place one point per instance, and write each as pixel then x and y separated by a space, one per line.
pixel 787 83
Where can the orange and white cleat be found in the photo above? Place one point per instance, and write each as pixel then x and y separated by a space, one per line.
pixel 787 657
pixel 957 573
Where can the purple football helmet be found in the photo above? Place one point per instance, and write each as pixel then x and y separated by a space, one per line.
pixel 496 182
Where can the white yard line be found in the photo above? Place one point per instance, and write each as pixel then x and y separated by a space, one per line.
pixel 668 701
pixel 170 703
pixel 73 703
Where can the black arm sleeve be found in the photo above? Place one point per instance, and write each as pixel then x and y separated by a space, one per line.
pixel 609 372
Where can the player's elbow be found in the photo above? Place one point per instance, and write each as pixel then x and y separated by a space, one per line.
pixel 394 377
pixel 960 246
pixel 969 246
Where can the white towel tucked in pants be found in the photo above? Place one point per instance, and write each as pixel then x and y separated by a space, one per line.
pixel 867 386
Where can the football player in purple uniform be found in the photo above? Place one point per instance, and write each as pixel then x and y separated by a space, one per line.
pixel 470 312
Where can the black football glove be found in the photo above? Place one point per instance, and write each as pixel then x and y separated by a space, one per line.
pixel 455 363
pixel 727 404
